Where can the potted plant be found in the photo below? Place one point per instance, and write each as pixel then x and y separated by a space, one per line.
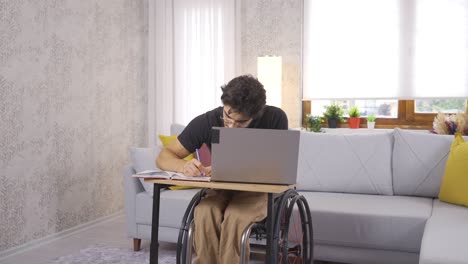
pixel 371 121
pixel 334 114
pixel 354 115
pixel 314 123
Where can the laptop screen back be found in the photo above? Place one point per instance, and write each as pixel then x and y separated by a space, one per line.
pixel 254 155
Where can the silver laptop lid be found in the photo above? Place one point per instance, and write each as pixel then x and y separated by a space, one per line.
pixel 254 155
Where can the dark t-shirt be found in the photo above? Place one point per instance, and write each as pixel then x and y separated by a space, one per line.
pixel 198 131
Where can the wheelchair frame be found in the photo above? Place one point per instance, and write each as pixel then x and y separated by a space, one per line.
pixel 281 245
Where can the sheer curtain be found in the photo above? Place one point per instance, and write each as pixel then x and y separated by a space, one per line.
pixel 191 54
pixel 371 49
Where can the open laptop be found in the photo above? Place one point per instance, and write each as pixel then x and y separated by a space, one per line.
pixel 250 155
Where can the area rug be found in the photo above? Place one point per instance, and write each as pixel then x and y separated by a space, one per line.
pixel 113 255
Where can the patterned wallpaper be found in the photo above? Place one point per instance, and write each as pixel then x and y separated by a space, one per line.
pixel 73 101
pixel 274 27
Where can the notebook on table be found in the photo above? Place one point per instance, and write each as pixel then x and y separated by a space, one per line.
pixel 248 155
pixel 168 175
pixel 204 157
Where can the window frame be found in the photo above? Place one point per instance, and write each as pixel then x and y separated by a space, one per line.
pixel 407 118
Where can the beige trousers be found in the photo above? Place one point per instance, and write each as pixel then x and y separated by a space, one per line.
pixel 220 219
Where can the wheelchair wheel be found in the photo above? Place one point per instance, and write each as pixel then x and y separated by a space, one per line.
pixel 293 229
pixel 181 256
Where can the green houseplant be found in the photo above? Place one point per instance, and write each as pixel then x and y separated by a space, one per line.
pixel 371 121
pixel 334 114
pixel 314 123
pixel 354 115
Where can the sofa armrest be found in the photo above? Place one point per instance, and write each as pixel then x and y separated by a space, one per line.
pixel 132 187
pixel 445 235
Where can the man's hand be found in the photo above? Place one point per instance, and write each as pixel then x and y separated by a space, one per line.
pixel 207 171
pixel 171 159
pixel 194 167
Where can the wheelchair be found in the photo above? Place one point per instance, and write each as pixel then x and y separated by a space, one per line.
pixel 292 231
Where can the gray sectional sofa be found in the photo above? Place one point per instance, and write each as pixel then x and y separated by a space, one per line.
pixel 372 195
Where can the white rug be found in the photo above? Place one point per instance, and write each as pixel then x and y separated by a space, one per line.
pixel 113 255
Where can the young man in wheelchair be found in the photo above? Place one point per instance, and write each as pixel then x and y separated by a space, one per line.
pixel 222 216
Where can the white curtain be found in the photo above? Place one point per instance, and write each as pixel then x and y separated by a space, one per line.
pixel 191 54
pixel 400 49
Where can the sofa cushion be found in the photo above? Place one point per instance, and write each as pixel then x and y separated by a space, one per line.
pixel 350 163
pixel 144 159
pixel 172 207
pixel 419 162
pixel 369 221
pixel 446 235
pixel 176 129
pixel 454 187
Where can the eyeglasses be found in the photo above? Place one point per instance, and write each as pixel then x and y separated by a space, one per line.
pixel 230 121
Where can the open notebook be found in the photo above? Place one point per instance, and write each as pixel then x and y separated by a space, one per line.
pixel 205 159
pixel 169 175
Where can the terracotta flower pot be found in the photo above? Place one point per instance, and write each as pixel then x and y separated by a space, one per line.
pixel 354 122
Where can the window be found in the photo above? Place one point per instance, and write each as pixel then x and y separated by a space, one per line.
pixel 440 41
pixel 351 49
pixel 362 51
pixel 440 105
pixel 369 49
pixel 379 108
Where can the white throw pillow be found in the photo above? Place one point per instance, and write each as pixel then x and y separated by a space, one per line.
pixel 348 163
pixel 145 159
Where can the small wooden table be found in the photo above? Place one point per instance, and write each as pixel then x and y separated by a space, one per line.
pixel 248 187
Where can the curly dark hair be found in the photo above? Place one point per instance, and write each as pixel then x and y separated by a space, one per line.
pixel 245 94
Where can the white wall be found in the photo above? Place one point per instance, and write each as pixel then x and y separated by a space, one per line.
pixel 274 27
pixel 73 100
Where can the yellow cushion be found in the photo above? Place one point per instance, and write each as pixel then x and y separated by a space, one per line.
pixel 454 188
pixel 165 140
pixel 181 187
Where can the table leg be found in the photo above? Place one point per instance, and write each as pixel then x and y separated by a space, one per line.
pixel 270 252
pixel 154 248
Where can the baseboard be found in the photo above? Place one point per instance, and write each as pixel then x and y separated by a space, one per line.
pixel 56 236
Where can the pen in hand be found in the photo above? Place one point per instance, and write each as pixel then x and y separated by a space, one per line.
pixel 198 158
